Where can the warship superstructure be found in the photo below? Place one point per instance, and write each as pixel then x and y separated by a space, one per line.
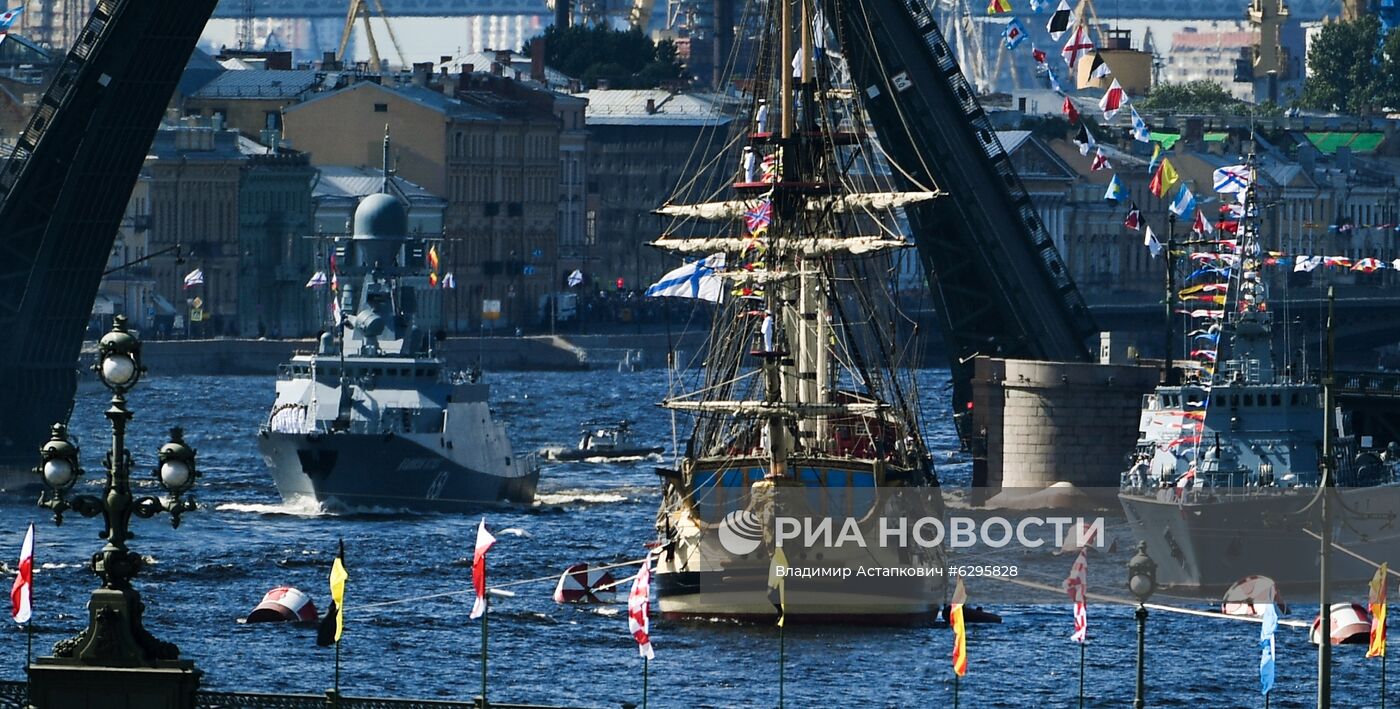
pixel 1224 479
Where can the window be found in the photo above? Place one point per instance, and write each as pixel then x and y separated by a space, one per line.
pixel 381 108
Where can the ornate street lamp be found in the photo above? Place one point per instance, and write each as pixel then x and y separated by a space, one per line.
pixel 1142 581
pixel 115 636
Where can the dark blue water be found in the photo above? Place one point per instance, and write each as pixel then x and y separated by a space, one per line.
pixel 216 567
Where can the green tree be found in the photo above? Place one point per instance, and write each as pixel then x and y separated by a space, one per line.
pixel 1389 74
pixel 1345 67
pixel 625 58
pixel 1200 96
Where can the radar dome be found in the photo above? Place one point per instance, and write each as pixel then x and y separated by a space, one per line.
pixel 381 215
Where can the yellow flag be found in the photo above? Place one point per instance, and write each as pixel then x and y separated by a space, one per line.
pixel 1169 175
pixel 333 624
pixel 1377 648
pixel 777 590
pixel 955 619
pixel 1165 179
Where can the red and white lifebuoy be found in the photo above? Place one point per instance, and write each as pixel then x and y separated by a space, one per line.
pixel 284 604
pixel 1246 597
pixel 580 584
pixel 1351 625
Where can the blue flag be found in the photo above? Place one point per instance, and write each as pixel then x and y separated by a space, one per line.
pixel 1140 130
pixel 1014 34
pixel 1185 202
pixel 1266 649
pixel 1116 190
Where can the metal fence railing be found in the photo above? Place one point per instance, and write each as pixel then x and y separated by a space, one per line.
pixel 14 695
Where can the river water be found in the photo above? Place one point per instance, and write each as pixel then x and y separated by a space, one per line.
pixel 211 572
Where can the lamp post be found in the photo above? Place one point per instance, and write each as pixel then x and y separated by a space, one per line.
pixel 1142 581
pixel 115 636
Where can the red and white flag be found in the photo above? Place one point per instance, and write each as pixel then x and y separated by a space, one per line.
pixel 1112 101
pixel 1100 162
pixel 1078 45
pixel 22 593
pixel 1134 218
pixel 484 540
pixel 1077 588
pixel 1201 226
pixel 639 610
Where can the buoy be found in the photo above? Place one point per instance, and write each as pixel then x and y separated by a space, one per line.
pixel 580 584
pixel 1250 592
pixel 1351 625
pixel 284 604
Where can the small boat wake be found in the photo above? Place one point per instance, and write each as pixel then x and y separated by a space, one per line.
pixel 309 507
pixel 299 507
pixel 574 497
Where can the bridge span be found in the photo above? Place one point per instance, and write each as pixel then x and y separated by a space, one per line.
pixel 1303 10
pixel 1366 319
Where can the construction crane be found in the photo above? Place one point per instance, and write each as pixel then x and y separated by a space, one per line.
pixel 359 9
pixel 967 39
pixel 245 25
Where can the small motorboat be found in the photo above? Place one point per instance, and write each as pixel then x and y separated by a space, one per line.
pixel 603 441
pixel 972 614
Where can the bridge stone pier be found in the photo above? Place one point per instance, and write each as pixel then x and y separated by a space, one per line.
pixel 1050 422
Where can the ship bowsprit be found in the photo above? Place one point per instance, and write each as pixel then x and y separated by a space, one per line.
pixel 350 471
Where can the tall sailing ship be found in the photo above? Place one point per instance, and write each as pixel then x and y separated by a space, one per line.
pixel 1224 480
pixel 804 405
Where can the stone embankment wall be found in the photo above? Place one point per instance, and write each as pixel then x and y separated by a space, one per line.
pixel 532 353
pixel 1049 422
pixel 232 357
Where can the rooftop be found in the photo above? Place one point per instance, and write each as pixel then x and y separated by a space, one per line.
pixel 353 183
pixel 428 98
pixel 255 83
pixel 1327 143
pixel 629 107
pixel 482 61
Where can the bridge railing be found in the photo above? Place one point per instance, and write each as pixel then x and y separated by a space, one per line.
pixel 15 695
pixel 1367 383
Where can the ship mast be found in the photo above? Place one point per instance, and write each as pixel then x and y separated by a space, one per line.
pixel 1251 342
pixel 776 385
pixel 809 217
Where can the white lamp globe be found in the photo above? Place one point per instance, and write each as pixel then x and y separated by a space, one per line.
pixel 175 474
pixel 118 369
pixel 1140 585
pixel 58 473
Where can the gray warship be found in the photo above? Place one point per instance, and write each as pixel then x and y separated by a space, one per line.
pixel 1225 477
pixel 374 418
